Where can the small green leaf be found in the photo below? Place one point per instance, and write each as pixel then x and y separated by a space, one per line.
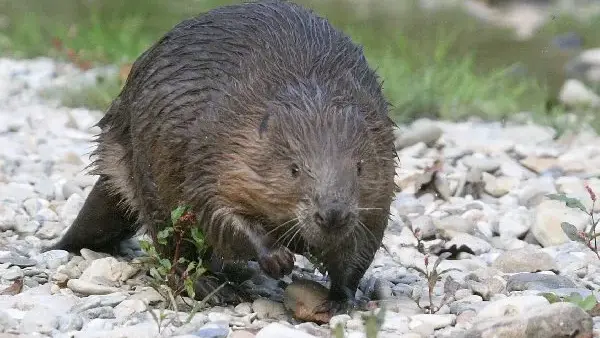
pixel 574 298
pixel 181 260
pixel 588 303
pixel 570 202
pixel 190 266
pixel 177 213
pixel 162 270
pixel 571 231
pixel 164 234
pixel 145 245
pixel 155 274
pixel 165 263
pixel 189 287
pixel 551 297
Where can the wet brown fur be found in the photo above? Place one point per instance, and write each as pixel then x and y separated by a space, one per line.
pixel 215 113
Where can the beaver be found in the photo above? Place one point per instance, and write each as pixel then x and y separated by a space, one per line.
pixel 269 123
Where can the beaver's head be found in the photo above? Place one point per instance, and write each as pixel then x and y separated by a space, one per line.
pixel 312 169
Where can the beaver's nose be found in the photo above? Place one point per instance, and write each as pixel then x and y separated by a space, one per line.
pixel 335 216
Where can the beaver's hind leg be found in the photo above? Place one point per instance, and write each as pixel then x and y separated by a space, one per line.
pixel 101 223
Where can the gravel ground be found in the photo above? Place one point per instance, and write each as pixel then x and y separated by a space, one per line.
pixel 487 207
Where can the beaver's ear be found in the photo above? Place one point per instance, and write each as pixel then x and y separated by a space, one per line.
pixel 264 124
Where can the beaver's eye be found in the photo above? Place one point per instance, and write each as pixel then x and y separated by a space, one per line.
pixel 295 170
pixel 359 167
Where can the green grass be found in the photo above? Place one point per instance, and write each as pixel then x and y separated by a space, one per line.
pixel 436 64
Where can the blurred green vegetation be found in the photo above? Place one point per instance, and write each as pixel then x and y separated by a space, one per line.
pixel 439 63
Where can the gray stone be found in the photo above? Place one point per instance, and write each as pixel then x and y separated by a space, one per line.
pixel 482 163
pixel 103 312
pixel 14 259
pixel 515 222
pixel 454 224
pixel 425 132
pixel 556 320
pixel 537 281
pixel 70 322
pixel 54 258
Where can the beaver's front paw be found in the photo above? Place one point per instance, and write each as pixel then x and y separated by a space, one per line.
pixel 277 262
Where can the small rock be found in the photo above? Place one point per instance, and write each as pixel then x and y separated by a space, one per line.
pixel 555 320
pixel 70 322
pixel 515 223
pixel 303 297
pixel 104 312
pixel 512 306
pixel 12 273
pixel 576 93
pixel 213 330
pixel 70 188
pixel 54 258
pixel 90 255
pixel 108 271
pixel 548 218
pixel 129 307
pixel 71 208
pixel 111 300
pixel 427 133
pixel 88 288
pixel 14 259
pixel 339 320
pixel 49 230
pixel 524 260
pixel 435 320
pixel 499 186
pixel 539 164
pixel 454 224
pixel 281 331
pixel 243 308
pixel 27 227
pixel 482 163
pixel 265 308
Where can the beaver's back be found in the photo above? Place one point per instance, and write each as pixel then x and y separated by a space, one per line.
pixel 190 69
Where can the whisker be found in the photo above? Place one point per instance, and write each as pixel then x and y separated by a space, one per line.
pixel 299 224
pixel 289 231
pixel 369 209
pixel 283 224
pixel 366 229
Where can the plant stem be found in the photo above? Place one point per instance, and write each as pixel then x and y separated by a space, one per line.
pixel 178 240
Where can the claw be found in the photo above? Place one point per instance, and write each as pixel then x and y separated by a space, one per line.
pixel 277 262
